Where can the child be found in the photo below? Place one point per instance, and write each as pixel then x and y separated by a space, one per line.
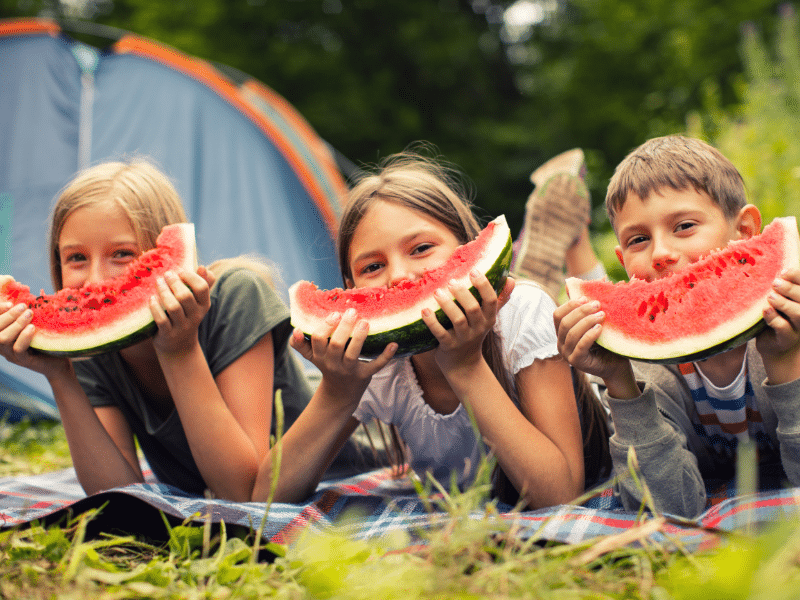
pixel 671 201
pixel 501 363
pixel 198 395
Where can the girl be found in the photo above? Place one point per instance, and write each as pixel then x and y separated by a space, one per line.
pixel 197 396
pixel 501 363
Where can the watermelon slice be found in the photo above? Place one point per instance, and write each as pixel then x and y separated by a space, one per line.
pixel 107 316
pixel 711 306
pixel 394 314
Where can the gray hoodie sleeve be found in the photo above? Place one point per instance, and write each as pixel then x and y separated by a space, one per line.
pixel 780 409
pixel 655 426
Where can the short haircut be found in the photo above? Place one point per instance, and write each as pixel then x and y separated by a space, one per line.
pixel 678 163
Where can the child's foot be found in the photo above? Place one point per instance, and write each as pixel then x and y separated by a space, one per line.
pixel 556 214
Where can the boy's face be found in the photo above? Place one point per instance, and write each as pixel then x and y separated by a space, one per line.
pixel 672 229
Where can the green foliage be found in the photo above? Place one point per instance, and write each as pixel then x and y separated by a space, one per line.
pixel 761 135
pixel 32 448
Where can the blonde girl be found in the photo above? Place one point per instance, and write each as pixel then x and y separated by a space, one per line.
pixel 499 360
pixel 197 396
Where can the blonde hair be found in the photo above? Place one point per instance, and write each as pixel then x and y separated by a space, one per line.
pixel 145 195
pixel 678 163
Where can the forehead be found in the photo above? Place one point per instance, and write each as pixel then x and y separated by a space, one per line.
pixel 106 216
pixel 662 203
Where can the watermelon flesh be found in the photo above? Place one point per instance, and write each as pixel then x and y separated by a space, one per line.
pixel 712 305
pixel 394 314
pixel 106 316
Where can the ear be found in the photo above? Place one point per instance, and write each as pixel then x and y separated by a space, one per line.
pixel 618 252
pixel 748 222
pixel 348 283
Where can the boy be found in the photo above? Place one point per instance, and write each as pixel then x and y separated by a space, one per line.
pixel 671 201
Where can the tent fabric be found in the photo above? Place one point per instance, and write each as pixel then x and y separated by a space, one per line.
pixel 254 176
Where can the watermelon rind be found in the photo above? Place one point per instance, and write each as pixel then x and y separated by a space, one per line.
pixel 125 331
pixel 736 331
pixel 407 327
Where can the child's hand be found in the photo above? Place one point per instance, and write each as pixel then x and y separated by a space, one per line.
pixel 779 344
pixel 578 325
pixel 460 346
pixel 16 333
pixel 178 307
pixel 334 350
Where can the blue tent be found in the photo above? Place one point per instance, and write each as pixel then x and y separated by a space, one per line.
pixel 254 176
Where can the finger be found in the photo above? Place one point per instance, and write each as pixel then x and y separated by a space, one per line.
pixel 356 341
pixel 476 312
pixel 299 342
pixel 198 286
pixel 488 297
pixel 505 293
pixel 23 341
pixel 14 321
pixel 382 359
pixel 321 337
pixel 785 287
pixel 451 310
pixel 159 315
pixel 207 274
pixel 567 315
pixel 788 308
pixel 436 328
pixel 570 339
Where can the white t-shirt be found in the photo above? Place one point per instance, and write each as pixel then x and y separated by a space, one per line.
pixel 442 443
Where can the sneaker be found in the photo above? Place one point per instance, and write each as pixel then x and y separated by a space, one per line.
pixel 556 213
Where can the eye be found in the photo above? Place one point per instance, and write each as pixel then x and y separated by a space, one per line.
pixel 637 239
pixel 421 248
pixel 74 257
pixel 685 225
pixel 124 254
pixel 370 268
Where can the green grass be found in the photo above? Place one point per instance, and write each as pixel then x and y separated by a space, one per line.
pixel 462 558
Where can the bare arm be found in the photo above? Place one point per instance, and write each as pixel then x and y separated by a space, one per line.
pixel 100 463
pixel 322 428
pixel 540 448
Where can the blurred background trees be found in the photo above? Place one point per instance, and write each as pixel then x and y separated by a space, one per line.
pixel 500 86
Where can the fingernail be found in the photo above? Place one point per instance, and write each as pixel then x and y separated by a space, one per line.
pixel 333 317
pixel 778 282
pixel 350 313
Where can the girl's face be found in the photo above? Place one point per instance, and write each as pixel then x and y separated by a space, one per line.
pixel 96 243
pixel 393 243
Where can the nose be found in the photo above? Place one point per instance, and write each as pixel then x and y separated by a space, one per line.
pixel 663 255
pixel 96 272
pixel 399 272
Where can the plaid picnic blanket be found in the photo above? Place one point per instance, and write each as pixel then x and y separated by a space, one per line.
pixel 372 504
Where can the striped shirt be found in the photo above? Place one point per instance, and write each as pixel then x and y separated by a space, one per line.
pixel 726 415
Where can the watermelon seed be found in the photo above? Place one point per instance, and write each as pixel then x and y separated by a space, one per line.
pixel 652 317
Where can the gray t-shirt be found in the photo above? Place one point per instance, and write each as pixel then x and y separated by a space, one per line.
pixel 244 308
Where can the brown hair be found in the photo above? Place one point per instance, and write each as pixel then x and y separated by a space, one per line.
pixel 438 190
pixel 679 163
pixel 145 195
